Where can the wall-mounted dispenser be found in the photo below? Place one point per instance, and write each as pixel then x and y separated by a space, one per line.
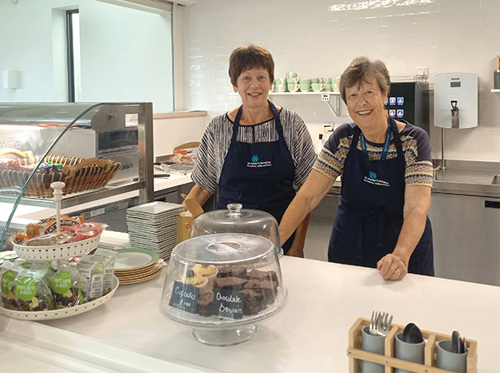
pixel 455 100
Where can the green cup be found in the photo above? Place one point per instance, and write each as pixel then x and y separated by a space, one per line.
pixel 317 87
pixel 305 87
pixel 293 87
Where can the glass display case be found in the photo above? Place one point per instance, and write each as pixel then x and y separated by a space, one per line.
pixel 98 150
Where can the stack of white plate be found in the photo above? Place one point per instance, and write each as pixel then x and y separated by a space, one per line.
pixel 154 226
pixel 137 265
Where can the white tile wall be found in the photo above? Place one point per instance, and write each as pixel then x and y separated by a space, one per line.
pixel 169 133
pixel 321 37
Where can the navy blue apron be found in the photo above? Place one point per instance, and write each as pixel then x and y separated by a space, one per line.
pixel 370 214
pixel 258 175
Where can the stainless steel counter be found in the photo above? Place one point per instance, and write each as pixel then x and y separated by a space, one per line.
pixel 468 178
pixel 465 215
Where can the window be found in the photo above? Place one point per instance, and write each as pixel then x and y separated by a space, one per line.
pixel 73 54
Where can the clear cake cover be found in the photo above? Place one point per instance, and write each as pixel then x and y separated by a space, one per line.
pixel 237 220
pixel 220 280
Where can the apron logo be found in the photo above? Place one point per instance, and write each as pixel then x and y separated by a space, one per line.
pixel 372 179
pixel 256 164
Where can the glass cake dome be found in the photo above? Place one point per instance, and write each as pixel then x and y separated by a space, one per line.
pixel 238 220
pixel 221 284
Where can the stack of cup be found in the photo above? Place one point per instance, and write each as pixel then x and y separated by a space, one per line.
pixel 279 85
pixel 317 85
pixel 305 84
pixel 292 82
pixel 333 84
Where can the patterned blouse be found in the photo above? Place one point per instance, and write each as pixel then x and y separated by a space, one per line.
pixel 217 138
pixel 416 148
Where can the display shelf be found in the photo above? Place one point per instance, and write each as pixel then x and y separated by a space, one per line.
pixel 96 133
pixel 273 93
pixel 357 355
pixel 324 96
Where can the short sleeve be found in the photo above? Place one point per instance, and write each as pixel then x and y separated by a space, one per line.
pixel 417 149
pixel 303 149
pixel 204 173
pixel 332 157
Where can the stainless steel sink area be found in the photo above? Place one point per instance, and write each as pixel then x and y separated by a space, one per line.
pixel 468 177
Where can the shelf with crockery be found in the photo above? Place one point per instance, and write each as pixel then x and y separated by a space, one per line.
pixel 325 96
pixel 273 93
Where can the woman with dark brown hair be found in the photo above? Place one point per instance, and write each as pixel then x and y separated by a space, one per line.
pixel 386 170
pixel 258 154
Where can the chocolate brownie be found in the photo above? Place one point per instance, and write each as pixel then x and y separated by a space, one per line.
pixel 230 283
pixel 205 304
pixel 254 301
pixel 232 272
pixel 268 287
pixel 263 275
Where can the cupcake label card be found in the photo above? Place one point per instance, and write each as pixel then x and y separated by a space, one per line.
pixel 184 297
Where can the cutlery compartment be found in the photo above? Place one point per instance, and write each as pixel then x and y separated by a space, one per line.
pixel 357 355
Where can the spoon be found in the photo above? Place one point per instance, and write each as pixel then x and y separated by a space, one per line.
pixel 455 342
pixel 412 334
pixel 406 332
pixel 415 335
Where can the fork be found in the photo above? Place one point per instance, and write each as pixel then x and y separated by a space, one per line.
pixel 373 323
pixel 384 323
pixel 380 323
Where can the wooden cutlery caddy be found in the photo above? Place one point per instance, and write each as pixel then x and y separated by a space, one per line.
pixel 356 354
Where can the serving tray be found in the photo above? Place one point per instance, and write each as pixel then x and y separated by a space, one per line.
pixel 63 251
pixel 61 313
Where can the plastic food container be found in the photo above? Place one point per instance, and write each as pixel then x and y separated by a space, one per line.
pixel 223 283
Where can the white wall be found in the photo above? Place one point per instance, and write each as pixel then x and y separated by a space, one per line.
pixel 126 53
pixel 171 132
pixel 321 37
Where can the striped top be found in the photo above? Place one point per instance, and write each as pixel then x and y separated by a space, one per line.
pixel 217 138
pixel 416 148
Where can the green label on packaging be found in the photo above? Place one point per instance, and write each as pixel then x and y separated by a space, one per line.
pixel 26 288
pixel 61 282
pixel 7 281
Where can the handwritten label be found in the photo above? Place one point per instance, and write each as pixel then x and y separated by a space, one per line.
pixel 184 297
pixel 229 304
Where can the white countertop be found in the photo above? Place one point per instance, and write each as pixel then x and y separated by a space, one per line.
pixel 311 333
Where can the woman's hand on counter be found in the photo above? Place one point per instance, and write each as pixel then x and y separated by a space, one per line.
pixel 392 267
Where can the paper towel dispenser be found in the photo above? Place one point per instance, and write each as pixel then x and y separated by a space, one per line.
pixel 456 100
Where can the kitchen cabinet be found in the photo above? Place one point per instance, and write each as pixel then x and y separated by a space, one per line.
pixel 466 237
pixel 321 224
pixel 35 137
